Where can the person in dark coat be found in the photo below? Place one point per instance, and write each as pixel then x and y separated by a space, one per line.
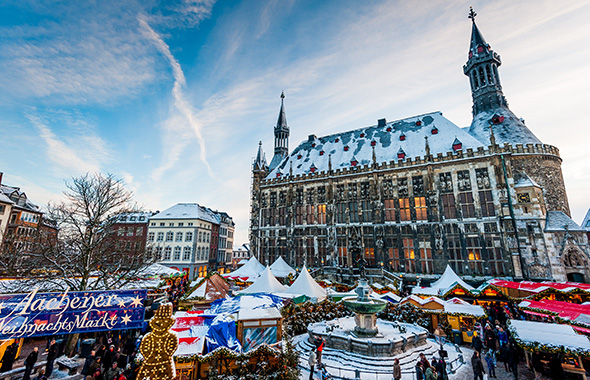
pixel 107 359
pixel 476 342
pixel 9 357
pixel 30 363
pixel 94 366
pixel 555 368
pixel 513 360
pixel 419 371
pixel 477 366
pixel 397 370
pixel 87 362
pixel 51 356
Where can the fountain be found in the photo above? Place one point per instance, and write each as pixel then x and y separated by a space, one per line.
pixel 365 310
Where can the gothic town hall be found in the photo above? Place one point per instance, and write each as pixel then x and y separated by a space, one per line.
pixel 412 196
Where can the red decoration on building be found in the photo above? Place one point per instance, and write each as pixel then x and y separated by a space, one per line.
pixel 373 143
pixel 337 139
pixel 321 152
pixel 362 135
pixel 434 131
pixel 312 168
pixel 480 49
pixel 313 145
pixel 388 129
pixel 353 162
pixel 497 119
pixel 346 148
pixel 418 123
pixel 402 138
pixel 299 157
pixel 457 145
pixel 279 174
pixel 401 155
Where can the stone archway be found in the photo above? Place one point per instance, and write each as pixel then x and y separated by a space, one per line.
pixel 575 264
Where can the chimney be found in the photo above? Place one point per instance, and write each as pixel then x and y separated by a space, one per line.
pixel 381 123
pixel 311 138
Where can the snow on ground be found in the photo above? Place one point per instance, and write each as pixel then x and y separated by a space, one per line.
pixel 342 365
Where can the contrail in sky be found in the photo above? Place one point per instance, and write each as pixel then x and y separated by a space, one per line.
pixel 179 82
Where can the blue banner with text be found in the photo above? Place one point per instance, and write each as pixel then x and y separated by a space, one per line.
pixel 39 314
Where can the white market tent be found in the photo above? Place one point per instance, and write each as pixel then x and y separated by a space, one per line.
pixel 554 335
pixel 280 268
pixel 443 285
pixel 306 285
pixel 266 283
pixel 250 270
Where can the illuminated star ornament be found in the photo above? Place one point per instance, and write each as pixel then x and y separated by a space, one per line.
pixel 136 301
pixel 121 303
pixel 126 319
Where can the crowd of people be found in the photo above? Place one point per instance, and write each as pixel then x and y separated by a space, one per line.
pixel 113 360
pixel 436 369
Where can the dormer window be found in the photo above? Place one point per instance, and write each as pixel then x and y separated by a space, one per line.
pixel 346 148
pixel 373 143
pixel 402 137
pixel 279 174
pixel 362 135
pixel 401 154
pixel 313 145
pixel 419 123
pixel 313 168
pixel 497 119
pixel 388 129
pixel 457 145
pixel 480 49
pixel 353 162
pixel 337 139
pixel 321 152
pixel 299 157
pixel 434 131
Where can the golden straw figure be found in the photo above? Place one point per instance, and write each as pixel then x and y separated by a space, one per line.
pixel 158 346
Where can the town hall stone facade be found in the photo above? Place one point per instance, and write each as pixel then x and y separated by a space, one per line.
pixel 415 195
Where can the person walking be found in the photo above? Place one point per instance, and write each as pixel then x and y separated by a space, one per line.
pixel 51 356
pixel 9 357
pixel 87 362
pixel 397 369
pixel 477 366
pixel 30 363
pixel 312 362
pixel 513 359
pixel 491 362
pixel 419 371
pixel 476 343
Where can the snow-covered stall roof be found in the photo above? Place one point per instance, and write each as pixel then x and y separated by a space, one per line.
pixel 249 306
pixel 280 268
pixel 156 269
pixel 250 270
pixel 265 283
pixel 306 285
pixel 356 147
pixel 443 285
pixel 534 335
pixel 452 306
pixel 210 288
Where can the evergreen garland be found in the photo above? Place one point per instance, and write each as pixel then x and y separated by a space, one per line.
pixel 298 317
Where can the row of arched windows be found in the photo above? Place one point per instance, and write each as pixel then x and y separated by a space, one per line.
pixel 484 75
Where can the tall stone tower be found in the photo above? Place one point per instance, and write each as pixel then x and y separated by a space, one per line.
pixel 491 114
pixel 259 172
pixel 281 137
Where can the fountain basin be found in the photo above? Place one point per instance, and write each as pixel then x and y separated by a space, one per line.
pixel 371 306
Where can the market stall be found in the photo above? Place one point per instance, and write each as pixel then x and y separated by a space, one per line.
pixel 556 342
pixel 281 269
pixel 449 284
pixel 247 272
pixel 204 291
pixel 307 286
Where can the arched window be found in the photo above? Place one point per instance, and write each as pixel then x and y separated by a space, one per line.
pixel 482 78
pixel 489 77
pixel 475 81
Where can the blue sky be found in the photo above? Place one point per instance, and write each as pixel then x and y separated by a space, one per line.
pixel 173 96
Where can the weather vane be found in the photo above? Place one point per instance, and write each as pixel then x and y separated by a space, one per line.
pixel 472 14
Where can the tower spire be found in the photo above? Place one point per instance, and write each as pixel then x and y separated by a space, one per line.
pixel 281 136
pixel 489 103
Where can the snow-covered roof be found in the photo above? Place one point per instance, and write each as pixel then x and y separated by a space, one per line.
pixel 249 306
pixel 5 199
pixel 523 180
pixel 249 270
pixel 265 283
pixel 211 288
pixel 384 139
pixel 18 198
pixel 559 221
pixel 306 285
pixel 280 268
pixel 586 221
pixel 445 283
pixel 452 306
pixel 187 211
pixel 510 130
pixel 133 217
pixel 549 334
pixel 156 269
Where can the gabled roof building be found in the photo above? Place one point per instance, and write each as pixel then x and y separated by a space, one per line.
pixel 420 193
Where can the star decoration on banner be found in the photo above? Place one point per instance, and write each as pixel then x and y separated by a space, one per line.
pixel 126 319
pixel 136 301
pixel 121 303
